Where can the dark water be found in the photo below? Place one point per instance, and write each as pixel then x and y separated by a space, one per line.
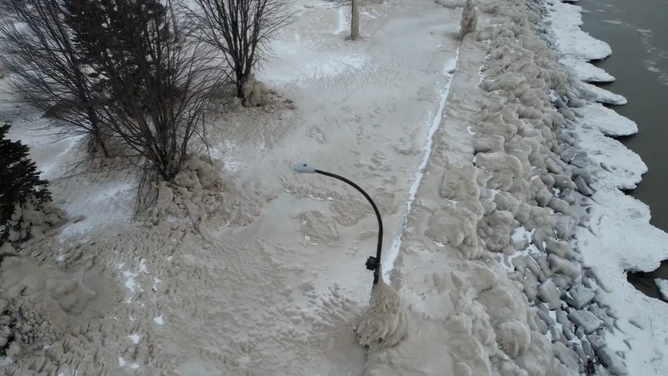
pixel 637 31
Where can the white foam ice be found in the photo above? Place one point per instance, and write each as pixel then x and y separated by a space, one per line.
pixel 566 20
pixel 619 237
pixel 606 120
pixel 623 168
pixel 585 71
pixel 391 254
pixel 605 96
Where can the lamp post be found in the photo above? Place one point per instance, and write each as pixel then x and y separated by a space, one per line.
pixel 372 263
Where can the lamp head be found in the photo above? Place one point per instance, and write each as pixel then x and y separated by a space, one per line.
pixel 304 168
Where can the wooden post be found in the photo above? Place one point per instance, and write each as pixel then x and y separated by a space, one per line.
pixel 355 21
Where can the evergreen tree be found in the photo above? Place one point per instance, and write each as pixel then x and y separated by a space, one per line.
pixel 20 179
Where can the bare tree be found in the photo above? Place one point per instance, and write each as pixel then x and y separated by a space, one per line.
pixel 355 20
pixel 47 73
pixel 240 30
pixel 159 82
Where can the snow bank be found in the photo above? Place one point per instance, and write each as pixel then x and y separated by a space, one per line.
pixel 195 193
pixel 29 221
pixel 39 303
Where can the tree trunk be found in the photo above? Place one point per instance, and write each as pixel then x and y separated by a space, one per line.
pixel 355 21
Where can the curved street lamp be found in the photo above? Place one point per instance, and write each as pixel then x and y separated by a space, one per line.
pixel 372 263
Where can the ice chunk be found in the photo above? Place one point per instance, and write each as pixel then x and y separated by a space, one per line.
pixel 625 167
pixel 605 96
pixel 570 39
pixel 579 296
pixel 607 121
pixel 586 320
pixel 586 72
pixel 548 293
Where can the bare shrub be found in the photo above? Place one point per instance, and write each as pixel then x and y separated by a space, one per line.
pixel 46 69
pixel 158 78
pixel 240 30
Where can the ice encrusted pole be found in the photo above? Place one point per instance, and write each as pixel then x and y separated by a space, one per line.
pixel 385 321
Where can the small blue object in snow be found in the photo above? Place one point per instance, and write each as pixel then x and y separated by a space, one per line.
pixel 304 168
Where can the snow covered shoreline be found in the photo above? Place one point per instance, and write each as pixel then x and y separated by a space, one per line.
pixel 565 255
pixel 619 237
pixel 508 191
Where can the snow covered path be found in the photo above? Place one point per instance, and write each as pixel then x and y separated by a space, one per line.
pixel 274 287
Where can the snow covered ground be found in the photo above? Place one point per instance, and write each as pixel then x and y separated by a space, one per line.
pixel 506 233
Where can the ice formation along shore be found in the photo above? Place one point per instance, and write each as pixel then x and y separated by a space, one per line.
pixel 545 184
pixel 511 259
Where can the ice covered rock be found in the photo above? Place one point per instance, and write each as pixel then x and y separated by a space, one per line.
pixel 494 125
pixel 558 247
pixel 563 266
pixel 537 360
pixel 460 183
pixel 595 340
pixel 585 319
pixel 514 337
pixel 527 262
pixel 487 143
pixel 503 167
pixel 505 201
pixel 530 285
pixel 496 229
pixel 544 316
pixel 455 226
pixel 579 296
pixel 612 361
pixel 565 355
pixel 582 186
pixel 563 182
pixel 548 293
